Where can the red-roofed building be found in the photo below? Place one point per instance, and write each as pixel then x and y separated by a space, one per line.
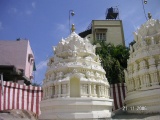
pixel 16 61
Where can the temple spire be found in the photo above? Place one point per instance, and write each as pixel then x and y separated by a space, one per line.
pixel 73 28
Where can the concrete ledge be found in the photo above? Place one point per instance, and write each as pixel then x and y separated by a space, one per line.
pixel 76 108
pixel 146 101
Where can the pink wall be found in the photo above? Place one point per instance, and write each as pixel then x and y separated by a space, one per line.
pixel 29 62
pixel 16 53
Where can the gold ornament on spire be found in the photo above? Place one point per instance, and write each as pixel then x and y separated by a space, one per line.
pixel 73 28
pixel 149 15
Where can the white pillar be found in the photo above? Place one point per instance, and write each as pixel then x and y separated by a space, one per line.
pixel 136 83
pixel 50 91
pixel 81 90
pixel 105 90
pixel 94 90
pixel 53 91
pixel 141 82
pixel 89 90
pixel 156 77
pixel 68 90
pixel 147 80
pixel 99 90
pixel 132 84
pixel 56 91
pixel 108 92
pixel 59 90
pixel 144 80
pixel 47 92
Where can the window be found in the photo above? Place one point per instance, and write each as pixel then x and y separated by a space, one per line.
pixel 30 58
pixel 101 36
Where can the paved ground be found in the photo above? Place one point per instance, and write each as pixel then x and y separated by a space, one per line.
pixel 16 115
pixel 128 116
pixel 120 115
pixel 136 117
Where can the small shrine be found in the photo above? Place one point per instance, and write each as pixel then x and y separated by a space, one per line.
pixel 143 72
pixel 75 86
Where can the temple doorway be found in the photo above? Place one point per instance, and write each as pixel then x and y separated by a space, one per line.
pixel 74 87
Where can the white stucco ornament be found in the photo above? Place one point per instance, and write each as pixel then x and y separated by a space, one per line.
pixel 75 86
pixel 143 72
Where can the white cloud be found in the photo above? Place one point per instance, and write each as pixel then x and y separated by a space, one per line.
pixel 28 12
pixel 1 26
pixel 62 30
pixel 33 4
pixel 15 11
pixel 12 10
pixel 61 27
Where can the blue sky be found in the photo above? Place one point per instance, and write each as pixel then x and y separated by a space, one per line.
pixel 45 22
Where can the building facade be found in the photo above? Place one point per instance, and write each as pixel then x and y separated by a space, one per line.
pixel 16 61
pixel 110 31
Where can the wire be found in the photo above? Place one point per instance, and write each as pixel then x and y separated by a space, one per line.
pixel 144 10
pixel 40 65
pixel 45 60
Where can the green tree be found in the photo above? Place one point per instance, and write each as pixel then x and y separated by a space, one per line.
pixel 114 60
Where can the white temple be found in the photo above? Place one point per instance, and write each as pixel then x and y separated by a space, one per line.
pixel 143 72
pixel 75 86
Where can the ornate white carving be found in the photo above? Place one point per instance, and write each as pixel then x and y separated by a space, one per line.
pixel 98 75
pixel 135 67
pixel 143 71
pixel 74 66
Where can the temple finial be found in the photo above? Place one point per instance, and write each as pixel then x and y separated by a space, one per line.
pixel 149 15
pixel 73 28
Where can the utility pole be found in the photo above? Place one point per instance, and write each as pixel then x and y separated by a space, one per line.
pixel 71 12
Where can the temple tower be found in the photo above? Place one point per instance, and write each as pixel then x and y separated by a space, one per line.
pixel 143 72
pixel 75 86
